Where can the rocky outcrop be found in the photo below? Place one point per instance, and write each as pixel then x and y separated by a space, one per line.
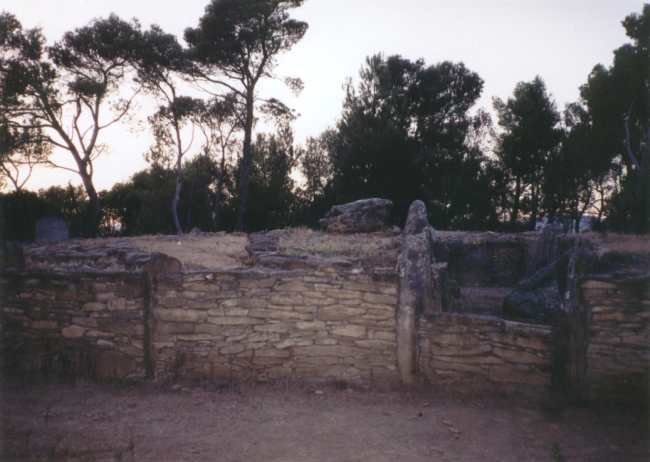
pixel 362 216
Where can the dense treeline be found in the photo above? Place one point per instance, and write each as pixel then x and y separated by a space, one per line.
pixel 408 130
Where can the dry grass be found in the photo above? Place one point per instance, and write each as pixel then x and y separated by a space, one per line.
pixel 200 251
pixel 619 243
pixel 301 241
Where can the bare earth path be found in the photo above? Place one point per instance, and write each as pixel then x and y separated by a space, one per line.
pixel 303 424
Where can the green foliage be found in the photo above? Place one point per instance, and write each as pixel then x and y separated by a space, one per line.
pixel 22 209
pixel 245 34
pixel 272 199
pixel 403 135
pixel 618 101
pixel 235 46
pixel 142 205
pixel 528 140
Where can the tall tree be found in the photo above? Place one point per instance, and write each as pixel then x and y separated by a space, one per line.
pixel 272 187
pixel 528 138
pixel 618 101
pixel 169 149
pixel 220 126
pixel 403 135
pixel 235 45
pixel 64 89
pixel 161 62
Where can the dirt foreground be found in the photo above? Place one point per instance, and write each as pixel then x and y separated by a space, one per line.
pixel 302 424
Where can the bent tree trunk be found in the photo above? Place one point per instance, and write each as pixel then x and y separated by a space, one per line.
pixel 91 229
pixel 175 201
pixel 179 177
pixel 247 162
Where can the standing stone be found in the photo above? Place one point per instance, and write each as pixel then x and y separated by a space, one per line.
pixel 362 216
pixel 51 229
pixel 417 286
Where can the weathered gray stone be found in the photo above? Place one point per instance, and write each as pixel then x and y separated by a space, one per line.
pixel 51 229
pixel 416 286
pixel 362 216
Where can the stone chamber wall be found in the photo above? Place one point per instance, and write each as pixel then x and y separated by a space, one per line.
pixel 618 353
pixel 131 315
pixel 74 324
pixel 481 352
pixel 326 323
pixel 482 269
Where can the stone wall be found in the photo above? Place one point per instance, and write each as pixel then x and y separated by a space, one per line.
pixel 113 312
pixel 482 268
pixel 325 323
pixel 474 351
pixel 73 324
pixel 618 353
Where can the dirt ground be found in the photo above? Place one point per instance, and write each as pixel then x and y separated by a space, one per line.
pixel 286 423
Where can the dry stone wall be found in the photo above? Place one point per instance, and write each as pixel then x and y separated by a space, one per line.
pixel 618 353
pixel 74 324
pixel 322 324
pixel 481 268
pixel 475 351
pixel 118 313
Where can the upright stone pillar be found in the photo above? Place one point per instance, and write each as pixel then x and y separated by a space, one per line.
pixel 416 287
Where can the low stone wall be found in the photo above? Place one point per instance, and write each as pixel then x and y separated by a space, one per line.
pixel 73 324
pixel 482 268
pixel 480 352
pixel 137 314
pixel 618 353
pixel 322 324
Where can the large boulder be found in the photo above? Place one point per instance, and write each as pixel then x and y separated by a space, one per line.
pixel 362 216
pixel 51 229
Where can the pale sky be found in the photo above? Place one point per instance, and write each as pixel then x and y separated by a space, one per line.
pixel 505 41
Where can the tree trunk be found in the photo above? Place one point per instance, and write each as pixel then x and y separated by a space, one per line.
pixel 177 197
pixel 179 177
pixel 94 206
pixel 220 182
pixel 515 204
pixel 247 162
pixel 534 208
pixel 643 190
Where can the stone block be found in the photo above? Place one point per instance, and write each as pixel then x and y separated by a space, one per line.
pixel 292 342
pixel 280 328
pixel 73 332
pixel 334 350
pixel 179 315
pixel 375 344
pixel 272 353
pixel 381 299
pixel 45 325
pixel 339 313
pixel 594 284
pixel 310 325
pixel 287 299
pixel 233 321
pixel 350 331
pixel 93 306
pixel 232 349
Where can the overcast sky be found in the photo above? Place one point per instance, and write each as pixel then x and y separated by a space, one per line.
pixel 505 41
